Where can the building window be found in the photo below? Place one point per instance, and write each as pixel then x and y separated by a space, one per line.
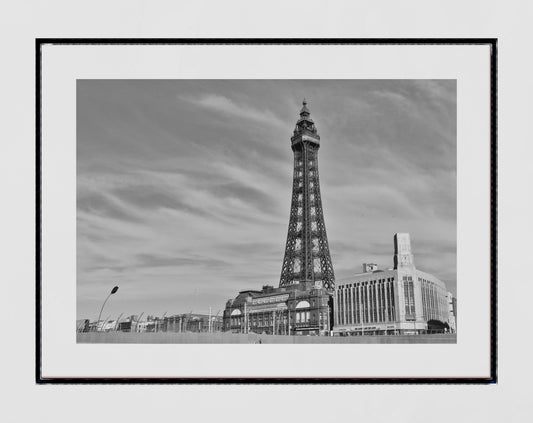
pixel 392 302
pixel 365 304
pixel 372 303
pixel 357 310
pixel 341 307
pixel 409 296
pixel 378 288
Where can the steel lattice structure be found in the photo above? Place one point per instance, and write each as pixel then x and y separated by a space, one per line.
pixel 307 257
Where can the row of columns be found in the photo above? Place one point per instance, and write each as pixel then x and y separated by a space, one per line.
pixel 353 305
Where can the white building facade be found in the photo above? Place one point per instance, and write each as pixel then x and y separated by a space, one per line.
pixel 451 312
pixel 390 302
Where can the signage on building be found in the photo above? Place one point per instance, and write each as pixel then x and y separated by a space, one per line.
pixel 267 307
pixel 271 299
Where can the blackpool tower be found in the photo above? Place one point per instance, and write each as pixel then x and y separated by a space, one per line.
pixel 307 258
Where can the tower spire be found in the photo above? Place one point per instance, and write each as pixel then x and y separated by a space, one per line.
pixel 305 124
pixel 304 111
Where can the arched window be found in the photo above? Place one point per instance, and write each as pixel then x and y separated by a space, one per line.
pixel 303 304
pixel 236 312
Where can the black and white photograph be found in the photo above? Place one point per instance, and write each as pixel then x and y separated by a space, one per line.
pixel 265 211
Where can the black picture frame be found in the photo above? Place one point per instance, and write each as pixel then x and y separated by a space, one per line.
pixel 492 42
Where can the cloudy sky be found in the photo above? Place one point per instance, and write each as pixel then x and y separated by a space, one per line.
pixel 184 186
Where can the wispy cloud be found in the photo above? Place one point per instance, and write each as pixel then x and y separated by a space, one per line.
pixel 226 106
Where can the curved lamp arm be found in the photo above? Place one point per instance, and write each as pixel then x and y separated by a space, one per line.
pixel 115 289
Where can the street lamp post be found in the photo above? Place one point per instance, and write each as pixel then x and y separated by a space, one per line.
pixel 137 323
pixel 115 289
pixel 117 322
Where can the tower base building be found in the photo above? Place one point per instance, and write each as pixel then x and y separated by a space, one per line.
pixel 298 309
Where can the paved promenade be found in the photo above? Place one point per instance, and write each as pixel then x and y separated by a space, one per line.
pixel 234 338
